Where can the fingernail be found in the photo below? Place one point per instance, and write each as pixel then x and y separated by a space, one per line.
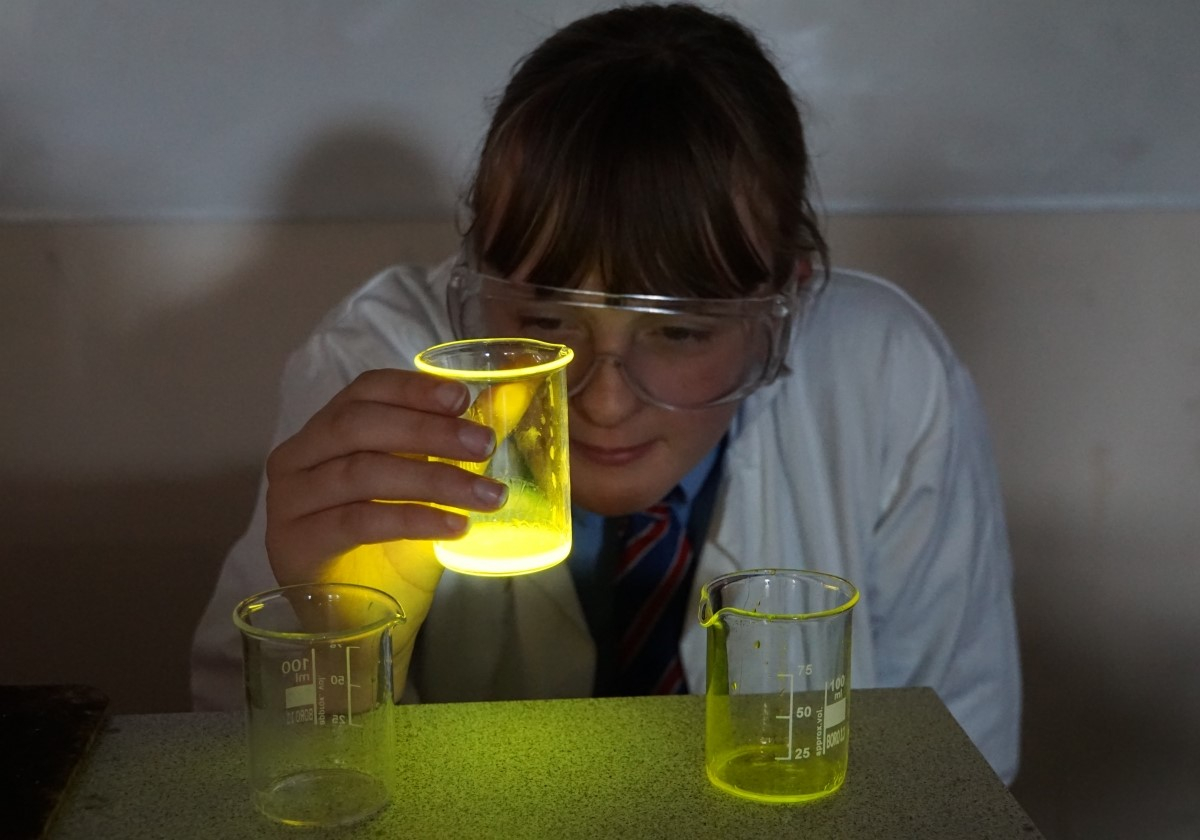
pixel 456 523
pixel 452 396
pixel 478 439
pixel 491 493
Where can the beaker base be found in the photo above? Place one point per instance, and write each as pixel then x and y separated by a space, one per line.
pixel 760 776
pixel 504 549
pixel 324 797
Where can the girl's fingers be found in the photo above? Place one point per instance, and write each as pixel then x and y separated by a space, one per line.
pixel 360 471
pixel 376 476
pixel 410 420
pixel 415 389
pixel 375 427
pixel 299 551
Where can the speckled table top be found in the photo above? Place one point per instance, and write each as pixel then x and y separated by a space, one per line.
pixel 621 767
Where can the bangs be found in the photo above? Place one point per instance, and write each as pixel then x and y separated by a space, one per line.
pixel 621 181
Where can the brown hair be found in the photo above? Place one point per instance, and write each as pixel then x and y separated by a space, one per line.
pixel 657 146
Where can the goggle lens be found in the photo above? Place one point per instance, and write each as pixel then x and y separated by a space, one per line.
pixel 673 352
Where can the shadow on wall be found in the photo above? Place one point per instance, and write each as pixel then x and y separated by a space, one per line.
pixel 108 568
pixel 1109 738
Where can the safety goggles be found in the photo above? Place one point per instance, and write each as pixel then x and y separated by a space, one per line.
pixel 673 352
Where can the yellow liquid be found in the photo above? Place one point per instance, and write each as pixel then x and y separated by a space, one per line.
pixel 504 548
pixel 757 774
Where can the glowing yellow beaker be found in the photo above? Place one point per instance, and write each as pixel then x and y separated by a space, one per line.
pixel 518 388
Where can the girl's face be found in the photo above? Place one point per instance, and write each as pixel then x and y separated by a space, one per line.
pixel 627 449
pixel 626 453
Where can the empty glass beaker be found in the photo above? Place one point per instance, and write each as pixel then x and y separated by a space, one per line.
pixel 318 671
pixel 518 388
pixel 778 690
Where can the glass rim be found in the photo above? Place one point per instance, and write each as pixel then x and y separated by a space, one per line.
pixel 246 607
pixel 832 581
pixel 425 360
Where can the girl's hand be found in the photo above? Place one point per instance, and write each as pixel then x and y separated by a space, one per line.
pixel 359 473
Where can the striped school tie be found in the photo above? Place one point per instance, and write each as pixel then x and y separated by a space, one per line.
pixel 650 602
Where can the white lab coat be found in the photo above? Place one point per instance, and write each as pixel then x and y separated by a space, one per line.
pixel 870 460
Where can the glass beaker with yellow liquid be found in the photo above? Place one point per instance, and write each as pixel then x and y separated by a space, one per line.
pixel 777 702
pixel 519 389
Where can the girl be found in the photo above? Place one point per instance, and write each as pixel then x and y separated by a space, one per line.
pixel 642 195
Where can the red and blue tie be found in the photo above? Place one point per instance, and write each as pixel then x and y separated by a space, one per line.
pixel 650 602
